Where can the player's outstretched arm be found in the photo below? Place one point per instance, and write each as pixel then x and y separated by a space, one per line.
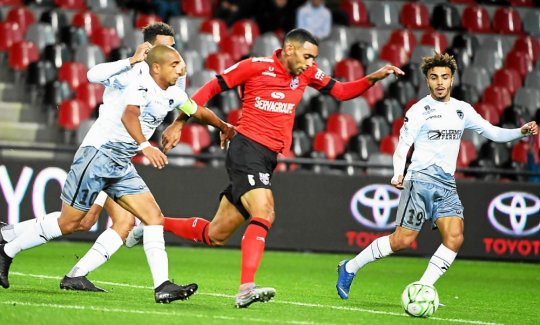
pixel 529 128
pixel 383 73
pixel 171 135
pixel 206 116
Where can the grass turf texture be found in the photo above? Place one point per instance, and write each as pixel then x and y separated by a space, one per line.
pixel 474 292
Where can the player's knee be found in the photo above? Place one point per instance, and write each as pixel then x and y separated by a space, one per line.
pixel 123 227
pixel 217 240
pixel 454 241
pixel 398 242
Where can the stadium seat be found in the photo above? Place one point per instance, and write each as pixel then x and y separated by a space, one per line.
pixel 489 112
pixel 520 152
pixel 381 165
pixel 204 44
pixel 434 39
pixel 71 4
pixel 466 154
pixel 445 17
pixel 91 94
pixel 531 23
pixel 357 107
pixel 508 78
pixel 186 27
pixel 74 73
pixel 324 105
pixel 281 166
pixel 522 3
pixel 233 116
pixel 301 143
pixel 236 46
pixel 395 54
pixel 488 59
pixel 402 90
pixel 71 113
pixel 120 21
pixel 194 61
pixel 228 100
pixel 265 45
pixel 396 125
pixel 40 73
pixel 476 139
pixel 328 143
pixel 89 55
pixel 498 153
pixel 144 20
pixel 356 11
pixel 384 14
pixel 497 96
pixel 389 108
pixel 247 28
pixel 57 19
pixel 376 126
pixel 405 38
pixel 477 77
pixel 362 52
pixel 475 19
pixel 466 93
pixel 348 70
pixel 332 51
pixel 215 27
pixel 218 61
pixel 528 98
pixel 197 8
pixel 87 21
pixel 41 34
pixel 498 43
pixel 533 79
pixel 10 33
pixel 73 37
pixel 23 16
pixel 21 54
pixel 413 74
pixel 199 78
pixel 414 15
pixel 374 94
pixel 311 123
pixel 421 51
pixel 469 42
pixel 58 54
pixel 342 35
pixel 520 61
pixel 196 136
pixel 363 145
pixel 56 92
pixel 343 125
pixel 507 21
pixel 106 38
pixel 515 116
pixel 529 45
pixel 388 144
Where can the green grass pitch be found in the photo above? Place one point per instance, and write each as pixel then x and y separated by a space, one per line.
pixel 474 292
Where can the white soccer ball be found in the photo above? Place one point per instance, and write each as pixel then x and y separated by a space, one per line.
pixel 420 300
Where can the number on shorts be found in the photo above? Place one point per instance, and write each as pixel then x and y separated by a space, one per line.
pixel 85 196
pixel 415 218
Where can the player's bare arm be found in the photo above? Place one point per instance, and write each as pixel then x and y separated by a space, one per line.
pixel 130 119
pixel 206 116
pixel 140 53
pixel 383 73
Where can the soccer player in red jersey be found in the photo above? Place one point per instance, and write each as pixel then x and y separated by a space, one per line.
pixel 272 87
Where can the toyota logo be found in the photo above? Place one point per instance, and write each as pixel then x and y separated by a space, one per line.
pixel 373 205
pixel 515 213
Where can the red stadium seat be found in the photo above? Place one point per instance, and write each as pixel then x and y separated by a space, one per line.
pixel 236 46
pixel 396 125
pixel 197 8
pixel 356 11
pixel 405 38
pixel 106 38
pixel 475 19
pixel 74 73
pixel 374 94
pixel 507 20
pixel 508 78
pixel 497 96
pixel 522 3
pixel 145 20
pixel 328 143
pixel 388 144
pixel 215 27
pixel 21 54
pixel 11 2
pixel 22 16
pixel 488 112
pixel 247 28
pixel 218 61
pixel 395 54
pixel 196 136
pixel 282 167
pixel 436 40
pixel 91 94
pixel 520 61
pixel 519 152
pixel 467 153
pixel 86 20
pixel 343 125
pixel 71 113
pixel 414 15
pixel 71 4
pixel 348 69
pixel 529 45
pixel 10 33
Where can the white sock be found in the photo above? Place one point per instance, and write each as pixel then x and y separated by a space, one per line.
pixel 438 264
pixel 154 248
pixel 379 248
pixel 105 246
pixel 11 232
pixel 41 232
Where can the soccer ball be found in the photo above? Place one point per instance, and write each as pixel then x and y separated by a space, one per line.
pixel 420 300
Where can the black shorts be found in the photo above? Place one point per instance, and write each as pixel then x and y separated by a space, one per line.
pixel 250 165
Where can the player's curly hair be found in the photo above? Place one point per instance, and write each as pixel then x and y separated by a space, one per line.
pixel 301 36
pixel 438 60
pixel 151 31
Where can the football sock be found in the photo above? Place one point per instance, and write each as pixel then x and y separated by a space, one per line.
pixel 379 248
pixel 42 231
pixel 194 229
pixel 438 264
pixel 11 232
pixel 105 246
pixel 253 248
pixel 154 248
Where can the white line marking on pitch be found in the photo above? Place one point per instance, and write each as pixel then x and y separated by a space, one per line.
pixel 369 311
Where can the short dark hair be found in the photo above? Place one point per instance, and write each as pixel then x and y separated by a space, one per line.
pixel 438 60
pixel 151 31
pixel 300 35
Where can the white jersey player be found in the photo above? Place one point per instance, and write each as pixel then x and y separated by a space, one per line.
pixel 435 126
